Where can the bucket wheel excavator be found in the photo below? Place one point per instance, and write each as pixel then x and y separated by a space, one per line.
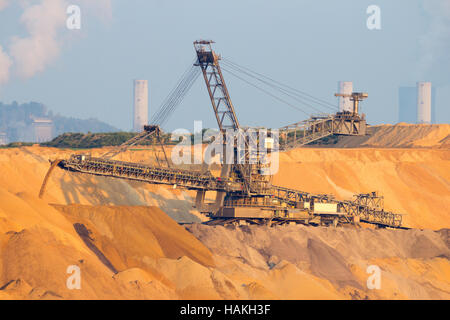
pixel 244 190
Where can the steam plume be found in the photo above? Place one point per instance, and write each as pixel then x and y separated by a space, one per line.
pixel 42 21
pixel 3 4
pixel 45 22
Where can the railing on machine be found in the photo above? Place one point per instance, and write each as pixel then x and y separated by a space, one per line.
pixel 321 126
pixel 194 180
pixel 305 132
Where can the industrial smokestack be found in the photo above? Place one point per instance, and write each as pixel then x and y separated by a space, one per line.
pixel 345 87
pixel 140 109
pixel 423 102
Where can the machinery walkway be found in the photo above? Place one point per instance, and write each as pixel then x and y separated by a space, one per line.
pixel 189 179
pixel 318 127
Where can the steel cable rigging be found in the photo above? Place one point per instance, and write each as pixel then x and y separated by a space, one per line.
pixel 265 91
pixel 281 90
pixel 188 78
pixel 174 98
pixel 298 95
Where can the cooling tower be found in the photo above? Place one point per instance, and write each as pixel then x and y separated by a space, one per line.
pixel 140 109
pixel 345 87
pixel 424 102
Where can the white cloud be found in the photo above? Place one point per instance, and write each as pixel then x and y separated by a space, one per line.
pixel 33 54
pixel 3 4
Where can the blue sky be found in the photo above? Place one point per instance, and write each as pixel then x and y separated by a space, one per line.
pixel 309 45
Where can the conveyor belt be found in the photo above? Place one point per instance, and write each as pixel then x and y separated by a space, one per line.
pixel 188 179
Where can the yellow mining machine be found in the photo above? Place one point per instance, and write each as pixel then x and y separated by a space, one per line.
pixel 244 190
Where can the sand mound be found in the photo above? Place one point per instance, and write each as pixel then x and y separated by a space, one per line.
pixel 401 135
pixel 150 231
pixel 329 264
pixel 415 264
pixel 37 259
pixel 38 243
pixel 127 248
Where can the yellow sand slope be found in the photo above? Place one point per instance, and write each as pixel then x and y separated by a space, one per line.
pixel 401 135
pixel 126 247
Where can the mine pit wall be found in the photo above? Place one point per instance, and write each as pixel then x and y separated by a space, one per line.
pixel 336 257
pixel 257 263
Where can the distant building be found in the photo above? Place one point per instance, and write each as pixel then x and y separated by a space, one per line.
pixel 3 138
pixel 424 102
pixel 410 107
pixel 345 104
pixel 140 109
pixel 42 130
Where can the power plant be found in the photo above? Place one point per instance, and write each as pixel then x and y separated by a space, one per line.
pixel 140 107
pixel 424 102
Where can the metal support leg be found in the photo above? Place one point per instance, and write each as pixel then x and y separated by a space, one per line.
pixel 200 200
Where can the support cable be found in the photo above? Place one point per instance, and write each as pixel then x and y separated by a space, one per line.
pixel 266 92
pixel 281 90
pixel 176 95
pixel 295 91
